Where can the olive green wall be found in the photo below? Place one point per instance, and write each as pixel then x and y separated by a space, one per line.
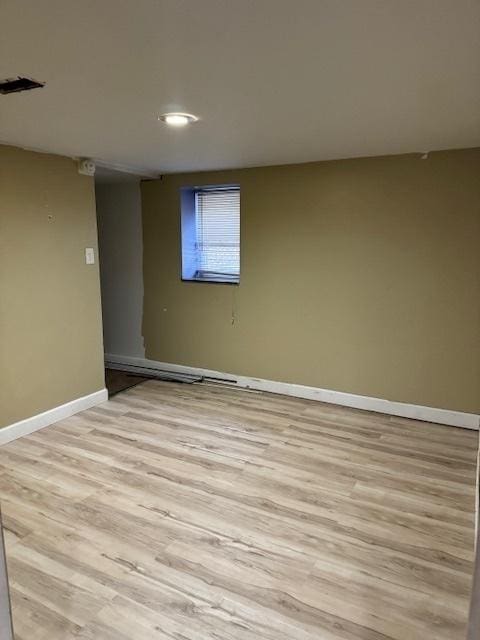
pixel 51 348
pixel 359 275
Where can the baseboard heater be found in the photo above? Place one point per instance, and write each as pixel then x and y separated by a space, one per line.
pixel 170 376
pixel 156 374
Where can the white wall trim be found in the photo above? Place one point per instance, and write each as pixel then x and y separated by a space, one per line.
pixel 402 409
pixel 127 168
pixel 41 420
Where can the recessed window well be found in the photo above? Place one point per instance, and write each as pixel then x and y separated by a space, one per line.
pixel 210 226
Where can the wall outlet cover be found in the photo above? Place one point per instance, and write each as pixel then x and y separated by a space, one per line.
pixel 89 256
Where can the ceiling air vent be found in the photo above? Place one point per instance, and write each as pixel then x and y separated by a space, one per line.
pixel 13 85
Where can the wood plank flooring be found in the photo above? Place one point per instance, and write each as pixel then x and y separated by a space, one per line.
pixel 195 512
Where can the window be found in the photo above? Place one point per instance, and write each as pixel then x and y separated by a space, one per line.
pixel 211 233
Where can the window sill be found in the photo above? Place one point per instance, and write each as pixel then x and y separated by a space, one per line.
pixel 211 281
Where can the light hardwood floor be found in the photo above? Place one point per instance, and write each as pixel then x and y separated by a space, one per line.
pixel 194 512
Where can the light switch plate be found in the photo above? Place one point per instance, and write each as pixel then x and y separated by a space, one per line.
pixel 89 256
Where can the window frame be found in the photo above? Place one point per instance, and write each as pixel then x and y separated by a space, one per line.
pixel 188 217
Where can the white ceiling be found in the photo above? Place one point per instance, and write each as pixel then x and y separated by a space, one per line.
pixel 273 81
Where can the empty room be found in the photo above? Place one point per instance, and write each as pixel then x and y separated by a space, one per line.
pixel 239 319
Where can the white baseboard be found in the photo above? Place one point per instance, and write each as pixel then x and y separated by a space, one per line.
pixel 41 420
pixel 402 409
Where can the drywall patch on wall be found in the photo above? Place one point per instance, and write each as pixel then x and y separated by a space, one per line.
pixel 51 348
pixel 358 275
pixel 121 268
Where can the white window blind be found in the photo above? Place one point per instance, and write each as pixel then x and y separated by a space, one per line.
pixel 217 226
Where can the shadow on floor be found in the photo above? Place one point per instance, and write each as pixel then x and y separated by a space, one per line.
pixel 117 381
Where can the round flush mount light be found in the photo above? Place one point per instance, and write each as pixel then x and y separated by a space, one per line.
pixel 178 119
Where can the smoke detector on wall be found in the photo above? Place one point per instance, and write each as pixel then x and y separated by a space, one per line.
pixel 86 167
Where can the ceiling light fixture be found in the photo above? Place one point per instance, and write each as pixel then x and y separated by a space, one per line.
pixel 178 119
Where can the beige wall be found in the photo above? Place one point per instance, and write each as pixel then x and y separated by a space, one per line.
pixel 360 275
pixel 50 316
